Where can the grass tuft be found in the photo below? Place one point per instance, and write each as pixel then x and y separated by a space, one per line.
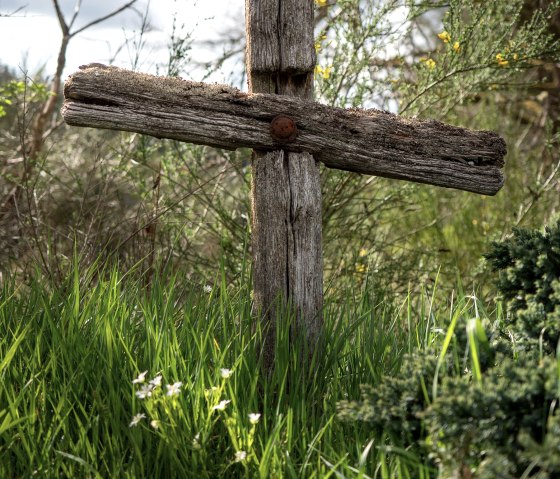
pixel 101 379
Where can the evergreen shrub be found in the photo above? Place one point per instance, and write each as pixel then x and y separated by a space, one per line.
pixel 504 423
pixel 528 265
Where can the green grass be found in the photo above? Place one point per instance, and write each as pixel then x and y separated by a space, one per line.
pixel 68 356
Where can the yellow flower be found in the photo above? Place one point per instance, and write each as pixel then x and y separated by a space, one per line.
pixel 501 60
pixel 431 64
pixel 363 252
pixel 515 56
pixel 324 72
pixel 321 3
pixel 444 37
pixel 457 47
pixel 360 268
pixel 318 45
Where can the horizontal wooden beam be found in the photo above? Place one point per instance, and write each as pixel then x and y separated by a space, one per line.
pixel 365 141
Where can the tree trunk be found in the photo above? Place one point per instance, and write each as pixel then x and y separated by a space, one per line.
pixel 286 188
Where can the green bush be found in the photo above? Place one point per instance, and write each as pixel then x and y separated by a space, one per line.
pixel 393 406
pixel 495 416
pixel 479 426
pixel 529 281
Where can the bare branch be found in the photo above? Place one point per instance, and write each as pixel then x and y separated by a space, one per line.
pixel 13 13
pixel 61 21
pixel 76 12
pixel 105 17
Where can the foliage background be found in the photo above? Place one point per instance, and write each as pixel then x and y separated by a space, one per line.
pixel 493 66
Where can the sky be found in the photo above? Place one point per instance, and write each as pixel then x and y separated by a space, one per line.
pixel 30 39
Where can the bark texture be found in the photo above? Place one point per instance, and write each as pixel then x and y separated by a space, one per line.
pixel 364 141
pixel 286 187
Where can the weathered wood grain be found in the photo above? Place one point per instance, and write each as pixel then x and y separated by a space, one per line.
pixel 286 187
pixel 365 141
pixel 281 39
pixel 287 245
pixel 263 51
pixel 297 42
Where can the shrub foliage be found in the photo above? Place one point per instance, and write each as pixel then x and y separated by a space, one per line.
pixel 529 280
pixel 503 424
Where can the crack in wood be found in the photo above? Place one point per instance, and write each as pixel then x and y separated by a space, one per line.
pixel 92 101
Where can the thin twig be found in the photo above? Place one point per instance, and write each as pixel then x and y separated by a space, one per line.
pixel 105 17
pixel 60 16
pixel 76 12
pixel 165 210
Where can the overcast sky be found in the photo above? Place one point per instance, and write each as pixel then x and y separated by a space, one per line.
pixel 30 39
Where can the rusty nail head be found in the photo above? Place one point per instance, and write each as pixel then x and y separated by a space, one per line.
pixel 283 128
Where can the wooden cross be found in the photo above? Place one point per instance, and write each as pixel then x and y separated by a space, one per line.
pixel 290 134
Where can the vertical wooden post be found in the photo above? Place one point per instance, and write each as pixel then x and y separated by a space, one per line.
pixel 286 188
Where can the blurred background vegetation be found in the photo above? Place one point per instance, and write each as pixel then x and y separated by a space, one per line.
pixel 160 204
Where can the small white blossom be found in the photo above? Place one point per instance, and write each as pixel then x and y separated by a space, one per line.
pixel 136 419
pixel 141 378
pixel 174 389
pixel 145 391
pixel 226 373
pixel 254 417
pixel 207 288
pixel 156 382
pixel 154 423
pixel 240 456
pixel 221 405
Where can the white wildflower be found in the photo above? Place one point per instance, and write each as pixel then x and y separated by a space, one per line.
pixel 226 373
pixel 156 382
pixel 240 456
pixel 254 417
pixel 145 391
pixel 174 389
pixel 154 423
pixel 221 405
pixel 207 289
pixel 136 419
pixel 141 378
